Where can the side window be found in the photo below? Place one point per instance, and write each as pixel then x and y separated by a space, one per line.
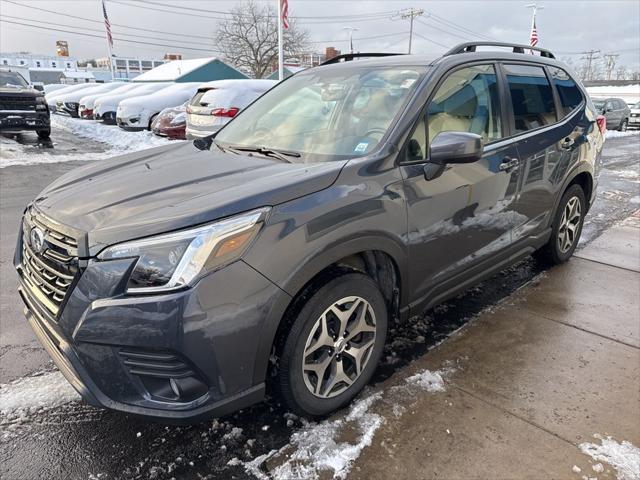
pixel 417 147
pixel 467 101
pixel 531 97
pixel 568 91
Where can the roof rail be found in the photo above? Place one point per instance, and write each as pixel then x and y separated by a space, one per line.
pixel 347 57
pixel 517 48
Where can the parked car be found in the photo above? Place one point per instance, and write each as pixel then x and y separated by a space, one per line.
pixel 634 116
pixel 69 103
pixel 219 101
pixel 615 110
pixel 105 108
pixel 284 251
pixel 52 98
pixel 86 102
pixel 139 112
pixel 171 122
pixel 22 108
pixel 52 87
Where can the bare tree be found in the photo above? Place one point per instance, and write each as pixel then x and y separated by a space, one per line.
pixel 249 39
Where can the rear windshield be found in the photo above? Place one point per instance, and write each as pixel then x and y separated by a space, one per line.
pixel 326 113
pixel 12 79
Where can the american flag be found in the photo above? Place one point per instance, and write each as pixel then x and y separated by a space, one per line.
pixel 107 25
pixel 284 12
pixel 533 40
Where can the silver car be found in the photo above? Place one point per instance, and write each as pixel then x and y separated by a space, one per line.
pixel 615 110
pixel 217 102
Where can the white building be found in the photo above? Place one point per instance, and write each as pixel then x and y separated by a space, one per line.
pixel 129 68
pixel 31 60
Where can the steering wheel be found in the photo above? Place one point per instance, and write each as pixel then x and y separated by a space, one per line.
pixel 381 131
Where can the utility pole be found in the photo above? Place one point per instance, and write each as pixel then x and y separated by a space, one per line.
pixel 351 30
pixel 610 63
pixel 589 57
pixel 411 14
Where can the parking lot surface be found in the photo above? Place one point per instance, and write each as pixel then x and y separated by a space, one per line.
pixel 535 373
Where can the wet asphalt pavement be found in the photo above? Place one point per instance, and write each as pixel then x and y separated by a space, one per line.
pixel 77 441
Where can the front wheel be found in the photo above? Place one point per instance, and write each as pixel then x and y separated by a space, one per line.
pixel 334 345
pixel 44 134
pixel 567 227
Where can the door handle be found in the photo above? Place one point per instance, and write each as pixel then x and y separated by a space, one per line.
pixel 509 164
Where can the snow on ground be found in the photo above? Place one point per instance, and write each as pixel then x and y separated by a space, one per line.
pixel 319 450
pixel 616 134
pixel 624 457
pixel 116 141
pixel 33 393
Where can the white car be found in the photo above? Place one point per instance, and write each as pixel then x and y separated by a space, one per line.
pixel 52 97
pixel 104 108
pixel 87 102
pixel 634 116
pixel 68 103
pixel 52 87
pixel 139 112
pixel 219 101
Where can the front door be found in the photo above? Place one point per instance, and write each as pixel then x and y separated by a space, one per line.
pixel 464 216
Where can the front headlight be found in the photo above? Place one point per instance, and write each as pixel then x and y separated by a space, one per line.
pixel 175 260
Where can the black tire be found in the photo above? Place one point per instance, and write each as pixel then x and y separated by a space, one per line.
pixel 44 134
pixel 623 125
pixel 552 251
pixel 291 379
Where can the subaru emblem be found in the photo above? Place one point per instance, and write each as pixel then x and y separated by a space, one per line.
pixel 36 239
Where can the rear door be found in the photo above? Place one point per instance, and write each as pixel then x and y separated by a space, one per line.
pixel 548 130
pixel 463 217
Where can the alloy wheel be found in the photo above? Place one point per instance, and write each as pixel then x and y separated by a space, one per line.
pixel 569 225
pixel 339 347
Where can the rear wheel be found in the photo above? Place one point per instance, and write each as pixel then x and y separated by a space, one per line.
pixel 334 345
pixel 624 125
pixel 567 227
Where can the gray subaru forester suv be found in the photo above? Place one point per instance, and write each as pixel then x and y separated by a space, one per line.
pixel 174 282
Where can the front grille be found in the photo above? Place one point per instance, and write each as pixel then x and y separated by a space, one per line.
pixel 155 363
pixel 50 270
pixel 17 103
pixel 635 114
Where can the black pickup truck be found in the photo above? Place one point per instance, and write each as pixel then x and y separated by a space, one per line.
pixel 22 107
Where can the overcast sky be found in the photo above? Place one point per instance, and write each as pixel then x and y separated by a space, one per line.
pixel 565 27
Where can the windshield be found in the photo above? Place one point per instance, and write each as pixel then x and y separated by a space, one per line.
pixel 325 114
pixel 599 104
pixel 12 79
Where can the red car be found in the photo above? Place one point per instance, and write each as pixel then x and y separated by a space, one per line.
pixel 171 122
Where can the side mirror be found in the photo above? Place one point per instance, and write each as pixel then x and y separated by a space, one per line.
pixel 455 147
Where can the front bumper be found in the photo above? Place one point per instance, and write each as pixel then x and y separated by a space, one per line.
pixel 24 121
pixel 634 122
pixel 107 117
pixel 121 351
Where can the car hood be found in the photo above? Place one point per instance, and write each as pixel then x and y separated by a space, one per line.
pixel 173 187
pixel 21 91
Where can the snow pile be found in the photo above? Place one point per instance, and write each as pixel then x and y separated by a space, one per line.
pixel 616 134
pixel 118 139
pixel 427 380
pixel 316 447
pixel 33 393
pixel 624 457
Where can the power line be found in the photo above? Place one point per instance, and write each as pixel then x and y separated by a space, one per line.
pixel 458 27
pixel 589 57
pixel 422 22
pixel 101 22
pixel 209 50
pixel 431 40
pixel 99 31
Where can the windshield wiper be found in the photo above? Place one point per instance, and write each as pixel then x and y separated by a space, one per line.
pixel 267 152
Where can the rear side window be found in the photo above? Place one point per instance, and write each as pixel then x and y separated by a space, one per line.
pixel 568 91
pixel 531 97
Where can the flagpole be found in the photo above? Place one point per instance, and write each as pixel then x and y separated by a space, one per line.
pixel 280 43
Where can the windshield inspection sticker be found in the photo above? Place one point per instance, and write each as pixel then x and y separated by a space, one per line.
pixel 361 147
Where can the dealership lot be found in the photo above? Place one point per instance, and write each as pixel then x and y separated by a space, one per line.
pixel 596 364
